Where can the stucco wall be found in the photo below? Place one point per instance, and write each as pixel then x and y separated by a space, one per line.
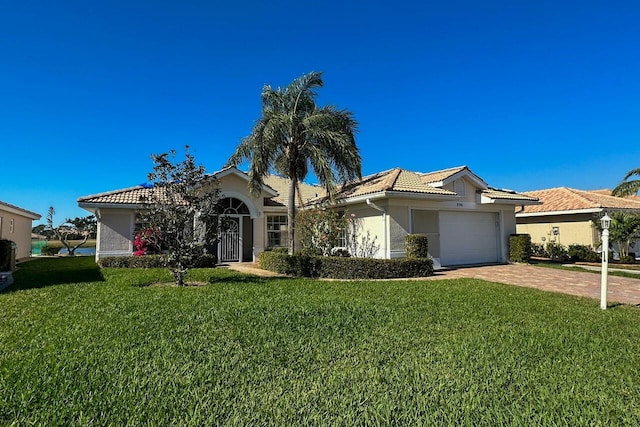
pixel 115 232
pixel 16 228
pixel 571 229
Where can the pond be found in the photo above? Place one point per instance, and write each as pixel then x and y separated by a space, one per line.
pixel 79 251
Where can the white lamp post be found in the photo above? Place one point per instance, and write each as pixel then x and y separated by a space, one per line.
pixel 606 222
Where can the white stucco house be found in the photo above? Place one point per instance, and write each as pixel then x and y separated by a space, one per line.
pixel 467 221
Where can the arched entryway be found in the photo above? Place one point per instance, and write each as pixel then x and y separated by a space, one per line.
pixel 236 235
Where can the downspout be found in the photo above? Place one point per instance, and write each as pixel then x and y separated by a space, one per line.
pixel 384 224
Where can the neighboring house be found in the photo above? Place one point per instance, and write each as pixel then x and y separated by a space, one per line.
pixel 467 221
pixel 566 215
pixel 15 225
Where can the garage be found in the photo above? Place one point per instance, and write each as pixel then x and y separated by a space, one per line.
pixel 469 238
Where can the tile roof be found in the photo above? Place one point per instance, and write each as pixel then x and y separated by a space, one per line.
pixel 127 196
pixel 396 179
pixel 19 209
pixel 138 194
pixel 497 194
pixel 281 186
pixel 441 175
pixel 569 199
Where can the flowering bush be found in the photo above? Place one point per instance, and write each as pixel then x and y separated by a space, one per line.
pixel 147 241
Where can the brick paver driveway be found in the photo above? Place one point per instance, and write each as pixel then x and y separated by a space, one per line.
pixel 620 289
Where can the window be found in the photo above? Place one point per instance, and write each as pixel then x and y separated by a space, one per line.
pixel 277 233
pixel 231 206
pixel 458 187
pixel 11 226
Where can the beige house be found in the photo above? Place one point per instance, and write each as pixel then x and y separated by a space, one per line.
pixel 566 215
pixel 467 221
pixel 16 225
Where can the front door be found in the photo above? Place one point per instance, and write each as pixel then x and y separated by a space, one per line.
pixel 229 247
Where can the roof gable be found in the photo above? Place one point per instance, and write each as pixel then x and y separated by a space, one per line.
pixel 443 177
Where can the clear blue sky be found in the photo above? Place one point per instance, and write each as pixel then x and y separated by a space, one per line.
pixel 528 94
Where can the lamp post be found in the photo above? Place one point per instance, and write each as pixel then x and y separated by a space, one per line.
pixel 606 222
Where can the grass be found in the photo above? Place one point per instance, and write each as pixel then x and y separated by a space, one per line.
pixel 577 267
pixel 83 346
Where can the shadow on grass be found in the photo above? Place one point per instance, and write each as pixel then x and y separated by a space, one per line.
pixel 43 272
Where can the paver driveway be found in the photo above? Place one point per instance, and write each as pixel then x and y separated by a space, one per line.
pixel 620 289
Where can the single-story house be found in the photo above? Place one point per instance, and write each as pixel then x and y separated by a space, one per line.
pixel 16 225
pixel 566 215
pixel 467 221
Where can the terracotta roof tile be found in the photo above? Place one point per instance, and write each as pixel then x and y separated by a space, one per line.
pixel 568 199
pixel 441 175
pixel 497 194
pixel 26 212
pixel 281 185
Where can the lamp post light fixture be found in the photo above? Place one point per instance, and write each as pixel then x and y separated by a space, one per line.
pixel 605 222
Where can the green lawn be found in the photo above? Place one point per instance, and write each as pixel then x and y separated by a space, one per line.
pixel 578 267
pixel 80 346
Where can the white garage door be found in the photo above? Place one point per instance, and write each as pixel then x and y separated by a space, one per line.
pixel 468 238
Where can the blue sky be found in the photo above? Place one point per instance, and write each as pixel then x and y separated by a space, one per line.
pixel 529 95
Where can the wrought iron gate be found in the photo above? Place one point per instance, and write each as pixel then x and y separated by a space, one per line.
pixel 229 246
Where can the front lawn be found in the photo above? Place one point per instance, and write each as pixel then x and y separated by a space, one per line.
pixel 82 346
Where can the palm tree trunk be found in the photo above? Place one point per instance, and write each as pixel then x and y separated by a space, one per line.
pixel 291 213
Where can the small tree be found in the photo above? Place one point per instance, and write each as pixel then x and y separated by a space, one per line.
pixel 183 205
pixel 72 229
pixel 624 229
pixel 320 230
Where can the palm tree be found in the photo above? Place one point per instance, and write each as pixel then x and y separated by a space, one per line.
pixel 628 187
pixel 294 136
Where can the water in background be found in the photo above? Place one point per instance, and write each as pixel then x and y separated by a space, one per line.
pixel 36 246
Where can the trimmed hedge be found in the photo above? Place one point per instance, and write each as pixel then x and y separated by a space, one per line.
pixel 345 268
pixel 520 248
pixel 578 252
pixel 152 261
pixel 5 255
pixel 416 246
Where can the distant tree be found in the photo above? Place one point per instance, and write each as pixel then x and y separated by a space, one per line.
pixel 39 229
pixel 293 136
pixel 628 187
pixel 71 229
pixel 183 207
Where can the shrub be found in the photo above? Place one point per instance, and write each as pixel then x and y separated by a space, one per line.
pixel 153 261
pixel 345 268
pixel 557 251
pixel 537 249
pixel 49 250
pixel 416 246
pixel 5 255
pixel 520 248
pixel 577 252
pixel 627 259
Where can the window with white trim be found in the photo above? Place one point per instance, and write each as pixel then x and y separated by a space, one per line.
pixel 277 231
